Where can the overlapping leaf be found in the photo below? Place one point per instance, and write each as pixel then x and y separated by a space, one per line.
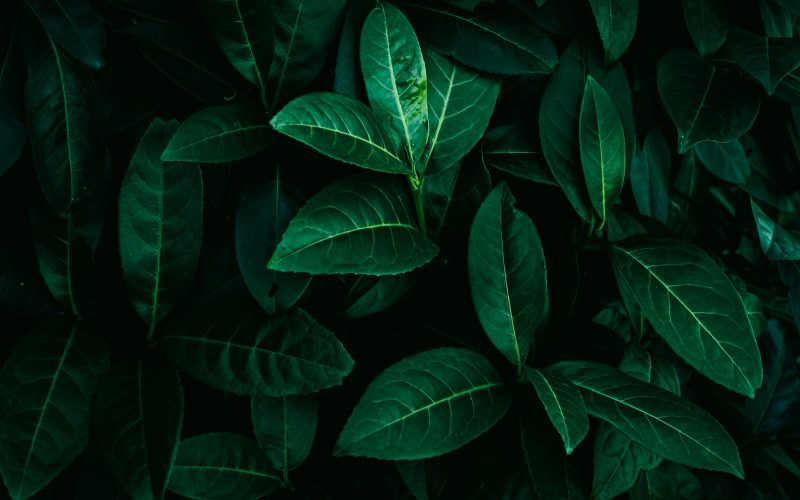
pixel 777 243
pixel 285 429
pixel 511 149
pixel 75 26
pixel 564 405
pixel 650 176
pixel 616 21
pixel 707 21
pixel 768 60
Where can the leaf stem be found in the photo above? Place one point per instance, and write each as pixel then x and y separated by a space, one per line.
pixel 419 203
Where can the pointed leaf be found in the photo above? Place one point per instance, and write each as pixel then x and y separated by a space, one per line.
pixel 285 428
pixel 510 149
pixel 564 406
pixel 768 60
pixel 778 22
pixel 650 176
pixel 726 160
pixel 425 405
pixel 707 21
pixel 616 20
pixel 670 481
pixel 75 26
pixel 373 294
pixel 777 243
pixel 617 462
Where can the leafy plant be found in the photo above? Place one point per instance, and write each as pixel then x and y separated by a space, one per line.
pixel 431 250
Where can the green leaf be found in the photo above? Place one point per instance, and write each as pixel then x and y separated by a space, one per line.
pixel 266 206
pixel 693 306
pixel 650 176
pixel 425 405
pixel 48 382
pixel 602 145
pixel 356 225
pixel 373 294
pixel 240 350
pixel 243 30
pixel 452 196
pixel 460 104
pixel 707 21
pixel 564 405
pixel 726 160
pixel 395 76
pixel 777 243
pixel 704 101
pixel 160 226
pixel 616 21
pixel 501 41
pixel 511 149
pixel 284 428
pixel 304 31
pixel 221 465
pixel 667 424
pixel 778 22
pixel 670 481
pixel 768 60
pixel 507 275
pixel 219 134
pixel 75 26
pixel 617 462
pixel 138 420
pixel 342 128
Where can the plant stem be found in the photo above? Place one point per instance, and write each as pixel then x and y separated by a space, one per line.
pixel 416 190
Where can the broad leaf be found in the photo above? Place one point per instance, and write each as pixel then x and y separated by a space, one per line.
pixel 564 406
pixel 693 306
pixel 238 349
pixel 138 420
pixel 602 147
pixel 777 243
pixel 160 226
pixel 75 26
pixel 778 22
pixel 511 149
pixel 616 21
pixel 669 481
pixel 342 128
pixel 395 76
pixel 460 103
pixel 726 160
pixel 221 465
pixel 507 275
pixel 218 134
pixel 707 21
pixel 425 405
pixel 705 102
pixel 768 60
pixel 650 176
pixel 48 382
pixel 667 424
pixel 285 428
pixel 356 225
pixel 617 462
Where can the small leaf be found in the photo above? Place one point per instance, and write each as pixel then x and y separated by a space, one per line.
pixel 425 405
pixel 285 428
pixel 221 465
pixel 564 406
pixel 510 149
pixel 75 26
pixel 616 20
pixel 726 160
pixel 777 243
pixel 768 60
pixel 218 134
pixel 238 349
pixel 355 226
pixel 707 21
pixel 650 176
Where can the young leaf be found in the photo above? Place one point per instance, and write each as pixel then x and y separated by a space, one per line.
pixel 75 26
pixel 221 465
pixel 284 428
pixel 667 424
pixel 707 21
pixel 616 20
pixel 693 306
pixel 564 406
pixel 777 243
pixel 355 226
pixel 650 176
pixel 48 382
pixel 342 128
pixel 238 349
pixel 395 76
pixel 768 60
pixel 726 160
pixel 507 275
pixel 425 405
pixel 602 145
pixel 704 101
pixel 138 420
pixel 218 134
pixel 510 149
pixel 460 103
pixel 160 226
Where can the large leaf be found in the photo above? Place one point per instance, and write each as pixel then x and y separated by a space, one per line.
pixel 564 406
pixel 75 26
pixel 425 405
pixel 48 382
pixel 342 128
pixel 460 103
pixel 501 42
pixel 160 226
pixel 219 134
pixel 602 145
pixel 510 148
pixel 650 176
pixel 777 243
pixel 768 60
pixel 693 306
pixel 285 428
pixel 507 275
pixel 616 21
pixel 707 21
pixel 705 102
pixel 667 424
pixel 243 30
pixel 138 420
pixel 221 465
pixel 238 349
pixel 356 225
pixel 304 32
pixel 395 76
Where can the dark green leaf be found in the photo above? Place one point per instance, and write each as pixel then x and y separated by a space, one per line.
pixel 707 21
pixel 778 22
pixel 374 294
pixel 777 243
pixel 425 405
pixel 452 196
pixel 670 481
pixel 564 406
pixel 617 462
pixel 650 176
pixel 507 275
pixel 285 428
pixel 726 160
pixel 693 306
pixel 12 122
pixel 768 60
pixel 48 382
pixel 510 149
pixel 616 20
pixel 75 26
pixel 355 226
pixel 240 350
